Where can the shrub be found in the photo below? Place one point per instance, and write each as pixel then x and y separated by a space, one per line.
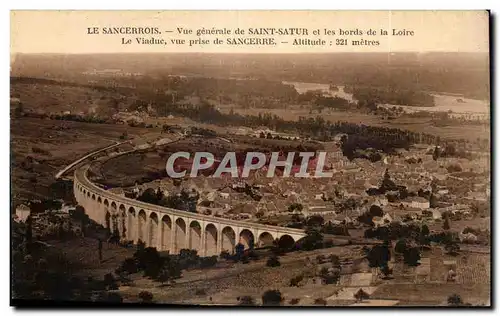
pixel 335 260
pixel 328 244
pixel 208 262
pixel 400 246
pixel 113 297
pixel 245 260
pixel 329 276
pixel 295 281
pixel 320 301
pixel 146 297
pixel 294 301
pixel 39 150
pixel 376 210
pixel 272 298
pixel 452 248
pixel 455 167
pixel 253 255
pixel 447 223
pixel 129 266
pixel 110 282
pixel 340 230
pixel 455 300
pixel 225 255
pixel 273 261
pixel 246 301
pixel 295 207
pixel 361 295
pixel 320 258
pixel 315 221
pixel 200 292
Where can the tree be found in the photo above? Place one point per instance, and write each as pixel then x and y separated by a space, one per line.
pixel 147 259
pixel 433 200
pixel 312 240
pixel 149 196
pixel 245 259
pixel 169 271
pixel 110 282
pixel 79 215
pixel 273 261
pixel 19 110
pixel 400 246
pixel 412 256
pixel 329 276
pixel 208 262
pixel 425 230
pixel 239 250
pixel 124 278
pixel 376 210
pixel 188 258
pixel 341 230
pixel 29 231
pixel 128 266
pixel 295 207
pixel 447 223
pixel 387 183
pixel 386 271
pixel 361 295
pixel 225 255
pixel 320 301
pixel 146 297
pixel 272 298
pixel 315 221
pixel 99 246
pixel 297 218
pixel 335 260
pixel 436 153
pixel 452 247
pixel 378 256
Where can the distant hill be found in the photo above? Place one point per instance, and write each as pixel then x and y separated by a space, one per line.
pixel 462 73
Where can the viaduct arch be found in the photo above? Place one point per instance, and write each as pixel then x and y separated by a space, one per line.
pixel 169 229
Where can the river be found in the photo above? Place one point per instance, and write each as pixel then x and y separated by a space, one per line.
pixel 444 103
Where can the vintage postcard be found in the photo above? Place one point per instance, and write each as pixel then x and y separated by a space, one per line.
pixel 250 158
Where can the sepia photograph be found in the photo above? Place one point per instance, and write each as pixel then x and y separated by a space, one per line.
pixel 250 158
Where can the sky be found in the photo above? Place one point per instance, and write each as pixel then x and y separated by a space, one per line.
pixel 67 31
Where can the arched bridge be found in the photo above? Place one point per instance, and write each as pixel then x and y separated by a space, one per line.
pixel 171 229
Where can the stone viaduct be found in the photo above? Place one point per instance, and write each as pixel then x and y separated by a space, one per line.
pixel 170 229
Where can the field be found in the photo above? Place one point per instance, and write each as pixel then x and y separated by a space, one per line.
pixel 40 148
pixel 147 165
pixel 227 281
pixel 57 98
pixel 420 125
